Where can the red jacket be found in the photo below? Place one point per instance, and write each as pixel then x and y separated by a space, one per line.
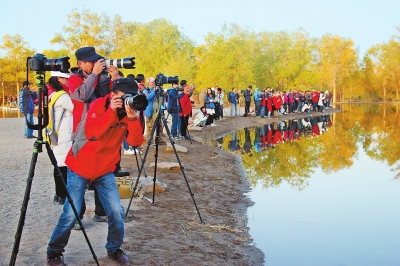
pixel 314 96
pixel 277 100
pixel 186 105
pixel 105 133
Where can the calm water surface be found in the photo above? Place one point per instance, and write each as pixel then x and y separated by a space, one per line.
pixel 326 197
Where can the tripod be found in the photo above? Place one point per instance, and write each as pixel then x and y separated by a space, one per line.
pixel 159 122
pixel 42 123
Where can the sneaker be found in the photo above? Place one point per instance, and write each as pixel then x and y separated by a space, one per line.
pixel 76 226
pixel 213 125
pixel 55 259
pixel 61 201
pixel 128 152
pixel 137 151
pixel 119 256
pixel 100 219
pixel 176 138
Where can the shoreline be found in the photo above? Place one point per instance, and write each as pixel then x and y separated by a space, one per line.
pixel 168 233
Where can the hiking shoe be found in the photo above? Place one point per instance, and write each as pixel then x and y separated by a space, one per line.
pixel 129 152
pixel 119 256
pixel 76 226
pixel 55 259
pixel 100 219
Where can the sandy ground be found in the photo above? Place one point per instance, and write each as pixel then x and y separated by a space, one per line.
pixel 166 233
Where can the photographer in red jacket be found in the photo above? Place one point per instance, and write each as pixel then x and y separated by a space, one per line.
pixel 91 160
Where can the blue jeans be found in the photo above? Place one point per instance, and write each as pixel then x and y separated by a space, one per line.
pixel 176 125
pixel 234 107
pixel 262 112
pixel 27 131
pixel 109 197
pixel 126 145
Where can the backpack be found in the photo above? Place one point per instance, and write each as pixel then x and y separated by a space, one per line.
pixel 50 133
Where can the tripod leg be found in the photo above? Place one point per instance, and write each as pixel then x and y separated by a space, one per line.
pixel 143 162
pixel 181 166
pixel 59 175
pixel 156 158
pixel 24 204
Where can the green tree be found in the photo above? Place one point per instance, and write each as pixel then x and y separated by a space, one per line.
pixel 14 63
pixel 338 61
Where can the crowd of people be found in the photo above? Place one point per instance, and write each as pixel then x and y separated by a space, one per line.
pixel 10 101
pixel 267 103
pixel 271 135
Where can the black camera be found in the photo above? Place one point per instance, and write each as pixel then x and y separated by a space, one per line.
pixel 40 63
pixel 161 80
pixel 180 88
pixel 136 102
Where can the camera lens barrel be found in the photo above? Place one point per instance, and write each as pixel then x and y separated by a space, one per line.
pixel 127 63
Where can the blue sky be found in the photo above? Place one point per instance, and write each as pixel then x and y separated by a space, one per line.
pixel 365 22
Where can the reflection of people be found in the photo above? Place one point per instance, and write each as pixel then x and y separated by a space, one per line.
pixel 247 142
pixel 233 144
pixel 27 107
pixel 62 121
pixel 93 162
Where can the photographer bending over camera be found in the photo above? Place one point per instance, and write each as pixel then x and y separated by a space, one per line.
pixel 91 160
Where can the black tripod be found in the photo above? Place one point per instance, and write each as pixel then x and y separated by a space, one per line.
pixel 158 123
pixel 42 123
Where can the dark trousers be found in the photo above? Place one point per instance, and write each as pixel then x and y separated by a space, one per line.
pixel 184 125
pixel 60 189
pixel 246 108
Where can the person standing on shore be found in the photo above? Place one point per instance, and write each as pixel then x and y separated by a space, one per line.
pixel 61 118
pixel 27 107
pixel 87 84
pixel 247 100
pixel 91 160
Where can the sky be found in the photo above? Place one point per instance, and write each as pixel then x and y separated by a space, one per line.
pixel 366 22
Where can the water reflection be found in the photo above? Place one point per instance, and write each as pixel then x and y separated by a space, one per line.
pixel 6 112
pixel 284 151
pixel 291 150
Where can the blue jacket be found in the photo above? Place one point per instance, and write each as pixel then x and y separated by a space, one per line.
pixel 208 103
pixel 173 101
pixel 27 101
pixel 150 95
pixel 247 95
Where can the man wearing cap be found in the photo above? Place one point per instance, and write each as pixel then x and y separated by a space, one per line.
pixel 91 160
pixel 87 84
pixel 27 107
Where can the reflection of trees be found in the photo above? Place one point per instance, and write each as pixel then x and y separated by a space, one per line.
pixel 372 127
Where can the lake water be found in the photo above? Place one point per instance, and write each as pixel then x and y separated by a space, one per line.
pixel 325 197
